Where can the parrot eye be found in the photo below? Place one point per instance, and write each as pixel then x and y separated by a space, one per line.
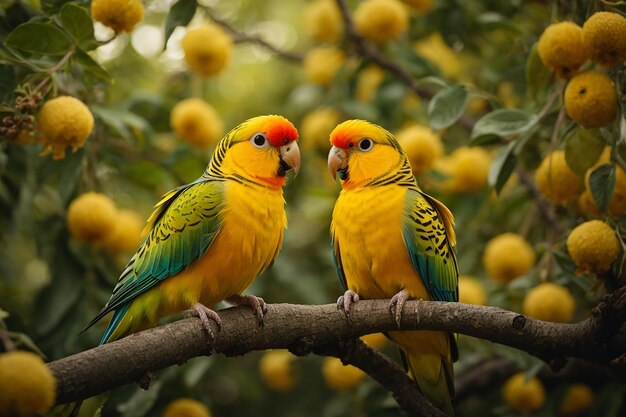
pixel 259 141
pixel 366 144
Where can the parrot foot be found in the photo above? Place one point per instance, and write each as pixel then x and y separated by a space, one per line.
pixel 345 301
pixel 257 304
pixel 205 315
pixel 396 304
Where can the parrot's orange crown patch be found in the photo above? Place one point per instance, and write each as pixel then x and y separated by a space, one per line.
pixel 347 134
pixel 279 131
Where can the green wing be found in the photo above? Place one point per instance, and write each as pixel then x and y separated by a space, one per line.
pixel 429 240
pixel 182 227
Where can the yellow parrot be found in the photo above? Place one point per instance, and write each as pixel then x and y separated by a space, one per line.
pixel 209 239
pixel 391 240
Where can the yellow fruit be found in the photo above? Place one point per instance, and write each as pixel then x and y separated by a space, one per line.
pixel 277 369
pixel 477 105
pixel 316 127
pixel 119 15
pixel 556 180
pixel 421 6
pixel 468 169
pixel 339 376
pixel 207 49
pixel 437 51
pixel 577 399
pixel 321 64
pixel 186 407
pixel 604 35
pixel 523 395
pixel 507 257
pixel 561 48
pixel 126 234
pixel 472 291
pixel 593 246
pixel 381 20
pixel 28 386
pixel 323 21
pixel 549 302
pixel 617 204
pixel 590 99
pixel 587 205
pixel 375 340
pixel 421 145
pixel 197 122
pixel 506 94
pixel 91 217
pixel 367 83
pixel 64 121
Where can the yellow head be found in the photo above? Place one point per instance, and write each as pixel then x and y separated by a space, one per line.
pixel 363 152
pixel 261 149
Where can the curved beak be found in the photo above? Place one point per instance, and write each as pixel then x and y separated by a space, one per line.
pixel 338 162
pixel 289 159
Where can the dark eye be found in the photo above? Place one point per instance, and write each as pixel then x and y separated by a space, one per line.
pixel 366 144
pixel 259 140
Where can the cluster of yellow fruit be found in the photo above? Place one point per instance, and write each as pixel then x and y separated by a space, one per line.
pixel 528 394
pixel 119 15
pixel 186 407
pixel 63 121
pixel 94 218
pixel 28 386
pixel 590 97
pixel 196 122
pixel 208 49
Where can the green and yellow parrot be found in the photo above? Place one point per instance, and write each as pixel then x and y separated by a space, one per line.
pixel 391 240
pixel 208 240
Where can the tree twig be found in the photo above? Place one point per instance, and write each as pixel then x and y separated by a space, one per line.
pixel 302 328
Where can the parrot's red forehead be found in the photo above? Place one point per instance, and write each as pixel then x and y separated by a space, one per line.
pixel 348 133
pixel 279 131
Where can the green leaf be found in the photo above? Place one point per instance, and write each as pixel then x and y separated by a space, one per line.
pixel 52 6
pixel 180 14
pixel 502 167
pixel 602 182
pixel 146 173
pixel 39 38
pixel 357 109
pixel 77 22
pixel 92 66
pixel 583 148
pixel 502 122
pixel 7 81
pixel 538 77
pixel 447 106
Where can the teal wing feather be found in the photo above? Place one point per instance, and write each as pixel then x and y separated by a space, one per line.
pixel 182 227
pixel 429 240
pixel 334 244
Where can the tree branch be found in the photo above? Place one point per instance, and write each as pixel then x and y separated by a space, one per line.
pixel 302 328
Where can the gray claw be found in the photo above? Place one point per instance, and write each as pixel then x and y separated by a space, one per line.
pixel 205 315
pixel 396 305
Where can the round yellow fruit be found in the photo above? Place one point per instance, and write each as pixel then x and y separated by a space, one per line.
pixel 375 340
pixel 207 49
pixel 556 180
pixel 367 83
pixel 91 217
pixel 339 376
pixel 524 395
pixel 604 35
pixel 322 20
pixel 472 291
pixel 126 234
pixel 186 407
pixel 468 169
pixel 316 127
pixel 507 257
pixel 593 246
pixel 381 20
pixel 421 145
pixel 28 386
pixel 321 64
pixel 64 121
pixel 119 15
pixel 420 6
pixel 577 399
pixel 590 99
pixel 561 48
pixel 277 369
pixel 549 302
pixel 437 51
pixel 197 122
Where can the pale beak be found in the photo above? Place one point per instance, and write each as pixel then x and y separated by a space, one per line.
pixel 338 161
pixel 289 159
